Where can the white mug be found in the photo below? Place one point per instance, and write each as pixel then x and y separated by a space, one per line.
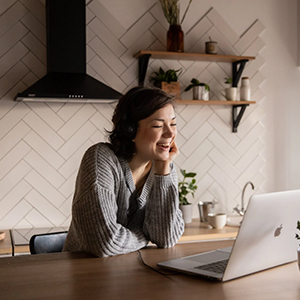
pixel 217 221
pixel 230 93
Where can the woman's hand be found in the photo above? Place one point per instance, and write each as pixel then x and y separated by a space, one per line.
pixel 162 167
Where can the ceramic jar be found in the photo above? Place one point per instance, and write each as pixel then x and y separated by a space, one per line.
pixel 245 92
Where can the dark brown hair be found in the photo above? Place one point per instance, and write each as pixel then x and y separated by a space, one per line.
pixel 137 104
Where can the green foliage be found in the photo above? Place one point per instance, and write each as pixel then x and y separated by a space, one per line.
pixel 196 82
pixel 228 80
pixel 185 188
pixel 161 75
pixel 298 227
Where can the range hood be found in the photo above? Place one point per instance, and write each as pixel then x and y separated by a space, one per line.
pixel 66 79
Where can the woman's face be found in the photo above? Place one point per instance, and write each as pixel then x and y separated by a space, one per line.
pixel 156 134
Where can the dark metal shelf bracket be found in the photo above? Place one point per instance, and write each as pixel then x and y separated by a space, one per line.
pixel 143 65
pixel 236 117
pixel 237 72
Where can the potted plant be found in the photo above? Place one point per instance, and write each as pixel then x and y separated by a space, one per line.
pixel 228 80
pixel 230 92
pixel 200 89
pixel 298 238
pixel 167 81
pixel 171 10
pixel 185 188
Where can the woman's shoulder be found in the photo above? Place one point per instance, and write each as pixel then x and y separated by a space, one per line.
pixel 100 149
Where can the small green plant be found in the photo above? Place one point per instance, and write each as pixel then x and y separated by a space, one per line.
pixel 170 76
pixel 298 227
pixel 196 82
pixel 185 187
pixel 228 80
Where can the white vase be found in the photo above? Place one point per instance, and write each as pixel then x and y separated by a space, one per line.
pixel 245 92
pixel 186 213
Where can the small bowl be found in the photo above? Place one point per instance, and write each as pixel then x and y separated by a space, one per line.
pixel 217 221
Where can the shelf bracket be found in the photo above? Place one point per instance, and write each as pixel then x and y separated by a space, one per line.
pixel 237 72
pixel 143 65
pixel 236 117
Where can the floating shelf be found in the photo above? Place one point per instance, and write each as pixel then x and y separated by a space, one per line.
pixel 192 56
pixel 213 102
pixel 238 65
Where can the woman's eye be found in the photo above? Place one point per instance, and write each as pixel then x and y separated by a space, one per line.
pixel 157 126
pixel 174 124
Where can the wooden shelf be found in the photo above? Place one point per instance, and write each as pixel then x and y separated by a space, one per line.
pixel 213 102
pixel 192 56
pixel 238 64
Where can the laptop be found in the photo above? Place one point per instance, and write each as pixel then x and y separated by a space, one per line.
pixel 266 239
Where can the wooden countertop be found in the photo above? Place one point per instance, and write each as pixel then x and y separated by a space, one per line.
pixel 5 244
pixel 197 231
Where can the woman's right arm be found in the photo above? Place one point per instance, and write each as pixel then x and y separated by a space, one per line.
pixel 97 229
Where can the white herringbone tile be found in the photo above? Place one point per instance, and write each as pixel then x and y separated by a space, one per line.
pixel 77 120
pixel 44 169
pixel 36 47
pixel 17 213
pixel 102 32
pixel 35 27
pixel 45 207
pixel 107 18
pixel 12 179
pixel 222 26
pixel 41 144
pixel 13 198
pixel 249 36
pixel 43 187
pixel 43 130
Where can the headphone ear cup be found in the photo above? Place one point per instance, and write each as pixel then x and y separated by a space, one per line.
pixel 129 130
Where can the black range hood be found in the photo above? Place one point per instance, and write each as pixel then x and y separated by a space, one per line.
pixel 66 79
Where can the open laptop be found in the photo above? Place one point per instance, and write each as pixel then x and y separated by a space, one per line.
pixel 266 239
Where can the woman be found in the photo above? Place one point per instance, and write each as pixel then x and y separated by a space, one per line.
pixel 126 190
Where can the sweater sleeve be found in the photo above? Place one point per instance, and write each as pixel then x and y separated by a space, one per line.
pixel 95 225
pixel 163 219
pixel 97 228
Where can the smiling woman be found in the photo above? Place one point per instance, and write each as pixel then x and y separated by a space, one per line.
pixel 127 190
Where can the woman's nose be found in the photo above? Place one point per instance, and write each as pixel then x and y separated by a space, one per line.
pixel 169 131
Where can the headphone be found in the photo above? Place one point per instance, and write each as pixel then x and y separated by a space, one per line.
pixel 127 127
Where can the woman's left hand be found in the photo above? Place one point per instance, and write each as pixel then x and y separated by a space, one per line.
pixel 162 167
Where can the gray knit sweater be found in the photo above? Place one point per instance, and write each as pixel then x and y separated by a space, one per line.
pixel 110 218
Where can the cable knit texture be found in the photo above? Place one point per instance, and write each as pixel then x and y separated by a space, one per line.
pixel 108 216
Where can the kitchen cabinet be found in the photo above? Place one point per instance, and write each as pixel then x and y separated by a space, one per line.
pixel 238 65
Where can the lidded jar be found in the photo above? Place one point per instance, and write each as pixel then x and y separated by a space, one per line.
pixel 245 92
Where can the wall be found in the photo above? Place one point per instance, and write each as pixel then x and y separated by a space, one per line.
pixel 41 144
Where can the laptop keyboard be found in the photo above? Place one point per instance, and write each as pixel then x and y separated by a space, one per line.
pixel 217 267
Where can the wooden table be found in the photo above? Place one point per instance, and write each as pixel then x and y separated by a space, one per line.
pixel 81 276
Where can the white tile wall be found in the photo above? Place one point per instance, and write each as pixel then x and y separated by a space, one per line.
pixel 41 144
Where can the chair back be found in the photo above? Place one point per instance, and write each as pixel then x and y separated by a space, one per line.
pixel 47 242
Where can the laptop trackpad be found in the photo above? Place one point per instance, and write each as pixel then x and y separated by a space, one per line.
pixel 209 257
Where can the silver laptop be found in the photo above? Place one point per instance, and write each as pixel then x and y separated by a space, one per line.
pixel 266 239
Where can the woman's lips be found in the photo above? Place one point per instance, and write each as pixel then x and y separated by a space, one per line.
pixel 164 146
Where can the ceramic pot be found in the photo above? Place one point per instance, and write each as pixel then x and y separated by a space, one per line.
pixel 175 39
pixel 186 213
pixel 200 93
